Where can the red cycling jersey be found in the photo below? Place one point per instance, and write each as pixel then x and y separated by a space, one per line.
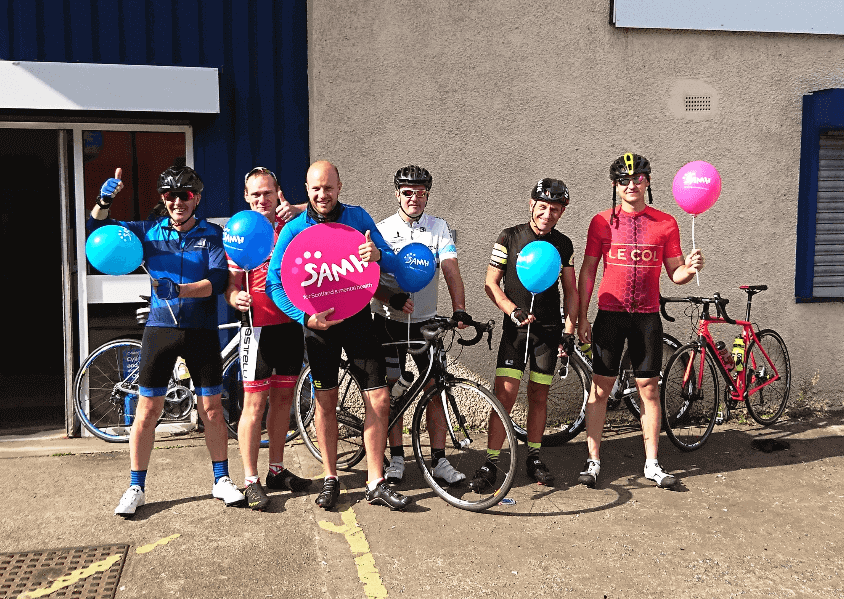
pixel 633 250
pixel 264 310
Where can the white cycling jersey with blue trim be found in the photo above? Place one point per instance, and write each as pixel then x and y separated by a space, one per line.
pixel 434 233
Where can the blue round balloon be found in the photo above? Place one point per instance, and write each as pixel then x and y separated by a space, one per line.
pixel 417 268
pixel 538 266
pixel 248 239
pixel 114 250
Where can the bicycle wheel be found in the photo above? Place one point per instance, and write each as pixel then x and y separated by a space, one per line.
pixel 689 408
pixel 105 390
pixel 350 412
pixel 767 398
pixel 469 408
pixel 232 399
pixel 566 415
pixel 626 384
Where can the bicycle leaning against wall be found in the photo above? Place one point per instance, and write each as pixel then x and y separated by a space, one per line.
pixel 757 373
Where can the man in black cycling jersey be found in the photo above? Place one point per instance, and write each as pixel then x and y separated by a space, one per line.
pixel 187 263
pixel 324 338
pixel 635 242
pixel 547 340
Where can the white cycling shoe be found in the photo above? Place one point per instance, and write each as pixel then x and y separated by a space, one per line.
pixel 660 476
pixel 395 471
pixel 445 471
pixel 132 499
pixel 226 490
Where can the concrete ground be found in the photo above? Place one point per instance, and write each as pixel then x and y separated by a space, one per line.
pixel 740 523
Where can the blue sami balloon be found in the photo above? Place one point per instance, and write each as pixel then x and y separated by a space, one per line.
pixel 114 250
pixel 418 267
pixel 538 266
pixel 248 239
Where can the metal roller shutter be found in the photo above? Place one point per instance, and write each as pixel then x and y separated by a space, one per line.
pixel 828 280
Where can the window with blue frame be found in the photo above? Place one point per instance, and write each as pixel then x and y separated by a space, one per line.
pixel 819 274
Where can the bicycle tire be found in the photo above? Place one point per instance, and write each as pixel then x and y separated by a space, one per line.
pixel 689 409
pixel 566 415
pixel 232 400
pixel 768 403
pixel 627 382
pixel 470 407
pixel 350 416
pixel 102 390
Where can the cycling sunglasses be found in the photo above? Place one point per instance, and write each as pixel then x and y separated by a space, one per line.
pixel 260 170
pixel 637 179
pixel 171 196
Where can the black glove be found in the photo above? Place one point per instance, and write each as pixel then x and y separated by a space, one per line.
pixel 567 342
pixel 167 289
pixel 461 316
pixel 518 316
pixel 398 300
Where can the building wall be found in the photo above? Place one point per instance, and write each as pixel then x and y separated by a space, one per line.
pixel 491 96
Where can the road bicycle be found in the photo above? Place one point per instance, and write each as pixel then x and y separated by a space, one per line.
pixel 466 408
pixel 759 374
pixel 569 392
pixel 105 389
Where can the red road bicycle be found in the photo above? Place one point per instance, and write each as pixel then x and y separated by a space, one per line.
pixel 758 373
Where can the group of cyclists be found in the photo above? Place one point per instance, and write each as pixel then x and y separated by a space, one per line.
pixel 189 269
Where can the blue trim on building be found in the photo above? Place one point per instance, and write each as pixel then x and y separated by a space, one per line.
pixel 822 111
pixel 259 48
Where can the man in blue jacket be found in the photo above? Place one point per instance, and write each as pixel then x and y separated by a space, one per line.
pixel 186 260
pixel 324 338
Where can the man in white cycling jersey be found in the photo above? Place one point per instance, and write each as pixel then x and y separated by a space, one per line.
pixel 393 307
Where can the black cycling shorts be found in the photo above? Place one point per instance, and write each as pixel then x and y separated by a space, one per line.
pixel 356 335
pixel 271 356
pixel 394 333
pixel 200 349
pixel 643 333
pixel 544 344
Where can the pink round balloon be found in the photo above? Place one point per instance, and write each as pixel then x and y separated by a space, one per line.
pixel 321 269
pixel 696 187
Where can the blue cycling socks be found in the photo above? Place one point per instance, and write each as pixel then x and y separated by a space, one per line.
pixel 139 478
pixel 221 469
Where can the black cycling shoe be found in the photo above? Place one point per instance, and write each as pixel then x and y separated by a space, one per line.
pixel 484 477
pixel 539 471
pixel 255 497
pixel 329 495
pixel 287 481
pixel 382 494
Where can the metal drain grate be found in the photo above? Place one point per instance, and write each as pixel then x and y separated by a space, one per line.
pixel 78 572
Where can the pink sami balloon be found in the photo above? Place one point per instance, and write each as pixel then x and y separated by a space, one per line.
pixel 321 269
pixel 696 187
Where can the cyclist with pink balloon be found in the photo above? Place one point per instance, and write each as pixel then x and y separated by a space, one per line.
pixel 635 242
pixel 187 264
pixel 406 301
pixel 529 260
pixel 307 257
pixel 272 346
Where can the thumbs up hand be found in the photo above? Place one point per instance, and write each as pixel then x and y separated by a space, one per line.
pixel 368 251
pixel 110 189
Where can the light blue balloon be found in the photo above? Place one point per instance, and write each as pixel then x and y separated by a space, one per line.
pixel 418 267
pixel 248 239
pixel 538 266
pixel 114 250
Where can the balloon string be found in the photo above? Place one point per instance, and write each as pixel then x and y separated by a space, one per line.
pixel 527 340
pixel 249 311
pixel 408 329
pixel 697 275
pixel 166 303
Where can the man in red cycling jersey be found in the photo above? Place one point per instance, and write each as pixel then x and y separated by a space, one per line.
pixel 272 349
pixel 634 243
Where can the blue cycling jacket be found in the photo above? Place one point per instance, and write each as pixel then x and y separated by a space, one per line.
pixel 187 257
pixel 352 216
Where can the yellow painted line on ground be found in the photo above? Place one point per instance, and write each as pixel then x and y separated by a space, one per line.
pixel 73 577
pixel 373 588
pixel 151 546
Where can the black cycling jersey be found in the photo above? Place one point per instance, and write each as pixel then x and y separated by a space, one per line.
pixel 546 305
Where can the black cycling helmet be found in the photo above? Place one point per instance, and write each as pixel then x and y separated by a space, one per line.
pixel 625 166
pixel 629 164
pixel 413 175
pixel 550 190
pixel 180 178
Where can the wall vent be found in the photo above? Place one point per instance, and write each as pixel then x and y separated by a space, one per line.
pixel 698 103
